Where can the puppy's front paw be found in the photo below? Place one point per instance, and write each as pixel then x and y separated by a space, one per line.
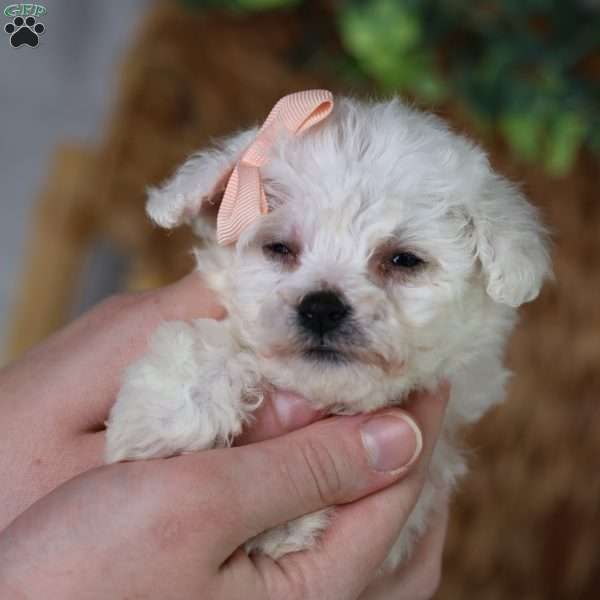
pixel 193 390
pixel 299 534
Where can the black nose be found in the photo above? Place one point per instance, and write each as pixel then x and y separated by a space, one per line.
pixel 321 312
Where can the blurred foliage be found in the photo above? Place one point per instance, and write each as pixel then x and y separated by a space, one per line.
pixel 530 68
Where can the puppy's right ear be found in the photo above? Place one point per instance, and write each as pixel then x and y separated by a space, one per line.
pixel 194 193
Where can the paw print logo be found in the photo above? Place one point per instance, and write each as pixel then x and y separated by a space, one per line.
pixel 24 31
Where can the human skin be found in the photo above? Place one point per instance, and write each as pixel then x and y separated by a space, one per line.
pixel 170 528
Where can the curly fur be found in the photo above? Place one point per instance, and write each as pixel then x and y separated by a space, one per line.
pixel 372 177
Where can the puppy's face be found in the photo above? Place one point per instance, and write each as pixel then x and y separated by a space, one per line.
pixel 390 255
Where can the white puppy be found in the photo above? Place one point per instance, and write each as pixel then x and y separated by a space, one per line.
pixel 391 256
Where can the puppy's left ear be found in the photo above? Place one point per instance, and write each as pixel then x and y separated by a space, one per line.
pixel 193 194
pixel 511 243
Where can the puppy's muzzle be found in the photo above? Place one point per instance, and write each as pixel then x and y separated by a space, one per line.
pixel 322 312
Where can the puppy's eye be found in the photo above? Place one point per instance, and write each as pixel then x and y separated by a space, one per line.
pixel 280 252
pixel 278 248
pixel 406 260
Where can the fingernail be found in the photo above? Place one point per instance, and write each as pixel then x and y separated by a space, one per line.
pixel 292 410
pixel 393 441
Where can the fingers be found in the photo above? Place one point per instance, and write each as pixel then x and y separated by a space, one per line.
pixel 122 325
pixel 331 462
pixel 91 353
pixel 390 508
pixel 420 576
pixel 186 299
pixel 362 533
pixel 281 413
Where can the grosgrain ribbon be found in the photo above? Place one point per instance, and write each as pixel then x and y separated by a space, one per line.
pixel 244 199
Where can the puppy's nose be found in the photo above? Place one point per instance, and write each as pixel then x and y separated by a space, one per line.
pixel 321 312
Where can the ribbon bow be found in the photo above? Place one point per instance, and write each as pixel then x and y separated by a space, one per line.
pixel 244 199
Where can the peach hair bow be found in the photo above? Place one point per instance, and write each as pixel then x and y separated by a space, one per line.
pixel 244 199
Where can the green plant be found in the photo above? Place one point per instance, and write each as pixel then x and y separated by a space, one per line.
pixel 529 68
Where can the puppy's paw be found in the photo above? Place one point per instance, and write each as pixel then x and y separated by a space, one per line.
pixel 299 534
pixel 193 390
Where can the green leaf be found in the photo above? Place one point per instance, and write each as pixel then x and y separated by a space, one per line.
pixel 380 34
pixel 563 141
pixel 523 132
pixel 525 67
pixel 594 138
pixel 429 87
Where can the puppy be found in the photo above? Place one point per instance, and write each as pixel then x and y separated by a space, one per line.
pixel 362 250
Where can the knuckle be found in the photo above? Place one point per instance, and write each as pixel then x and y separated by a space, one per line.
pixel 323 471
pixel 299 587
pixel 299 579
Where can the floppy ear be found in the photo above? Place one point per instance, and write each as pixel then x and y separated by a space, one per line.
pixel 511 243
pixel 193 194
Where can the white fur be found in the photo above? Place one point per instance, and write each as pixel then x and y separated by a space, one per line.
pixel 369 175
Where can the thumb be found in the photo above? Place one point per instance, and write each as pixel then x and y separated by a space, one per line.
pixel 331 462
pixel 281 413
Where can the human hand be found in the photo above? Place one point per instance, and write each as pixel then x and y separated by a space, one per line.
pixel 171 529
pixel 55 400
pixel 419 577
pixel 51 420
